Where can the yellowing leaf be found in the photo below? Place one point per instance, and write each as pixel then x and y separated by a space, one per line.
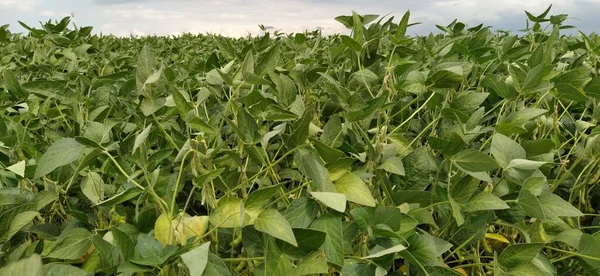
pixel 496 237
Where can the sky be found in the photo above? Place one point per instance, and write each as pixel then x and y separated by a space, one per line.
pixel 242 17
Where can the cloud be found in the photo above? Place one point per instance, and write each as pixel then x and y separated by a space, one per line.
pixel 240 17
pixel 19 5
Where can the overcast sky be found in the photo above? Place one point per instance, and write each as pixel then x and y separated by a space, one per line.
pixel 240 17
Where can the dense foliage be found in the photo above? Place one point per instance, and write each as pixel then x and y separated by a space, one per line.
pixel 468 152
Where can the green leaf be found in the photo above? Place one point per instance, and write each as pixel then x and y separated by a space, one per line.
pixel 402 26
pixel 393 165
pixel 120 198
pixel 18 168
pixel 125 238
pixel 56 269
pixel 351 43
pixel 216 266
pixel 12 85
pixel 197 259
pixel 420 167
pixel 570 92
pixel 485 201
pixel 474 161
pixel 554 206
pixel 335 201
pixel 505 150
pixel 301 212
pixel 425 248
pixel 270 221
pixel 309 241
pixel 464 189
pixel 229 213
pixel 533 78
pixel 392 250
pixel 357 28
pixel 31 266
pixel 269 60
pixel 275 262
pixel 516 254
pixel 18 222
pixel 149 106
pixel 589 246
pixel 301 129
pixel 354 268
pixel 247 126
pixel 332 132
pixel 92 187
pixel 355 189
pixel 71 244
pixel 311 266
pixel 333 246
pixel 148 251
pixel 312 168
pixel 60 153
pixel 592 89
pixel 141 138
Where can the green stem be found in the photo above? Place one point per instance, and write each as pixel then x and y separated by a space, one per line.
pixel 179 174
pixel 165 132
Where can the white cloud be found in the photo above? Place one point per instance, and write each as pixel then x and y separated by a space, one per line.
pixel 240 17
pixel 19 5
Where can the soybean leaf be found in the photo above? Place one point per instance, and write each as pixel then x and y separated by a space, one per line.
pixel 60 153
pixel 197 259
pixel 270 221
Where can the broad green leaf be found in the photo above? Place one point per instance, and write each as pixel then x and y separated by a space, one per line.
pixel 56 269
pixel 301 212
pixel 148 251
pixel 393 165
pixel 485 201
pixel 229 213
pixel 216 266
pixel 125 239
pixel 420 166
pixel 589 246
pixel 309 241
pixel 71 244
pixel 355 189
pixel 310 267
pixel 270 221
pixel 150 106
pixel 392 250
pixel 424 248
pixel 332 132
pixel 533 78
pixel 355 268
pixel 312 168
pixel 517 254
pixel 333 246
pixel 554 206
pixel 505 150
pixel 31 266
pixel 570 92
pixel 335 201
pixel 474 161
pixel 141 138
pixel 275 261
pixel 197 259
pixel 464 189
pixel 12 84
pixel 60 153
pixel 18 168
pixel 19 222
pixel 92 187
